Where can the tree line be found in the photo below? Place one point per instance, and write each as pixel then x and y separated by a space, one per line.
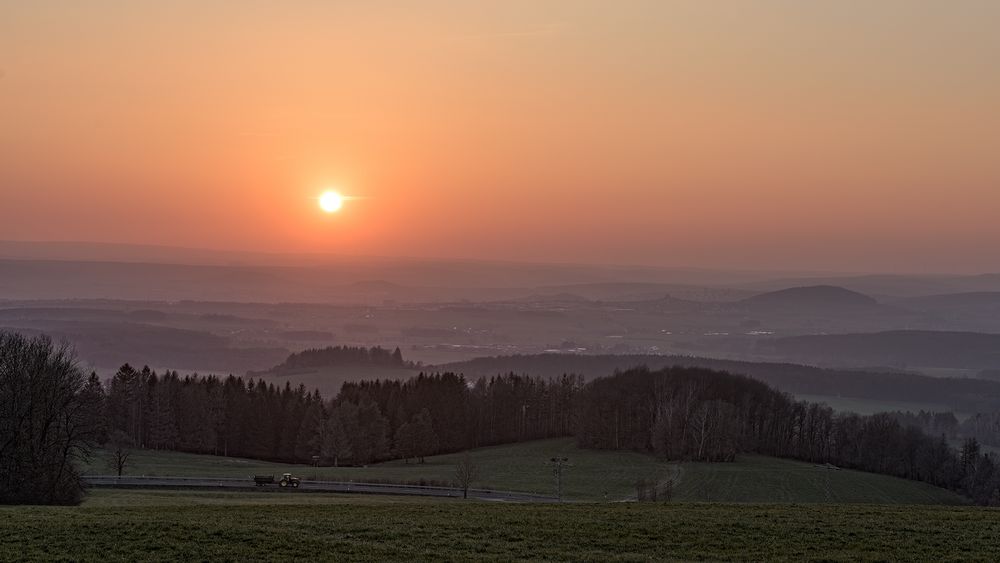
pixel 366 422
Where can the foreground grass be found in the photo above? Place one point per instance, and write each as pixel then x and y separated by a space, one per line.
pixel 491 531
pixel 592 475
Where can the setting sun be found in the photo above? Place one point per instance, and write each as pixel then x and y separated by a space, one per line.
pixel 331 201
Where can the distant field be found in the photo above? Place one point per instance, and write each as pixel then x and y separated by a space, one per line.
pixel 470 530
pixel 592 473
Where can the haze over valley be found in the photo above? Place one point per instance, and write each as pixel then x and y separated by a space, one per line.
pixel 211 317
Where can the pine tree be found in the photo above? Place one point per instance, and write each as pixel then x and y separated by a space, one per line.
pixel 162 422
pixel 338 429
pixel 95 403
pixel 372 436
pixel 406 441
pixel 308 443
pixel 426 438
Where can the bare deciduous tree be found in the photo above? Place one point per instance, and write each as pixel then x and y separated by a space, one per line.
pixel 119 450
pixel 466 472
pixel 43 424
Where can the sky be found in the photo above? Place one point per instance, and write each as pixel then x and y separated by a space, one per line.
pixel 774 134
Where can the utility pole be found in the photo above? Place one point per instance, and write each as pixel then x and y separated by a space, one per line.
pixel 827 468
pixel 559 463
pixel 827 475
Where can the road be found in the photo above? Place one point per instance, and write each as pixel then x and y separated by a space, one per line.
pixel 307 487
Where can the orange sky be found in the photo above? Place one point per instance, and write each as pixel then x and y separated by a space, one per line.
pixel 841 135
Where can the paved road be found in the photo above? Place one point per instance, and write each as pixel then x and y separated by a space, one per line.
pixel 307 486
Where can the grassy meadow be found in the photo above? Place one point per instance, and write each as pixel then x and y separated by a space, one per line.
pixel 178 525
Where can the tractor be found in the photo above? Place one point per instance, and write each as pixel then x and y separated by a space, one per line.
pixel 286 480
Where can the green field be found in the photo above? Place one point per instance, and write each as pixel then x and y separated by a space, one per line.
pixel 517 467
pixel 170 526
pixel 524 467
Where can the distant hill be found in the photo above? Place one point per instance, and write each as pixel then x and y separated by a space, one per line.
pixel 109 344
pixel 810 298
pixel 899 348
pixel 644 292
pixel 327 369
pixel 892 285
pixel 961 395
pixel 337 356
pixel 553 298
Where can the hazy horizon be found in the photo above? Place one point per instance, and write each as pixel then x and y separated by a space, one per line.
pixel 103 251
pixel 90 250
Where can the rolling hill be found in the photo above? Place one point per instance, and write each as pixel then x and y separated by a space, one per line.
pixel 106 345
pixel 327 369
pixel 891 285
pixel 810 299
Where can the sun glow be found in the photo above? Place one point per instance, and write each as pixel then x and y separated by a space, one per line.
pixel 331 201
